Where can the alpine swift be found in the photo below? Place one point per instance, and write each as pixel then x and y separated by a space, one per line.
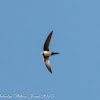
pixel 46 53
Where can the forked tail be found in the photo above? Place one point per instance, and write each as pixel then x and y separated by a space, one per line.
pixel 54 53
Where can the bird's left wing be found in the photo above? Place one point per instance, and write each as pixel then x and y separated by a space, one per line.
pixel 47 63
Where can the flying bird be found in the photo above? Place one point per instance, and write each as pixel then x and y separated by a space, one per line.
pixel 46 53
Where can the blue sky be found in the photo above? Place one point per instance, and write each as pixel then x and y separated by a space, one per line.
pixel 24 26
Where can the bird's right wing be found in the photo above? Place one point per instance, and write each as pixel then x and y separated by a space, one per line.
pixel 47 63
pixel 47 42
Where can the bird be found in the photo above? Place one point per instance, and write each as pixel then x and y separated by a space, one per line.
pixel 47 53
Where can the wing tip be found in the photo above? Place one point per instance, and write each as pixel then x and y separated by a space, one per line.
pixel 51 72
pixel 51 31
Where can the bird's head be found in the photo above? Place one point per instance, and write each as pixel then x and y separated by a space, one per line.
pixel 41 53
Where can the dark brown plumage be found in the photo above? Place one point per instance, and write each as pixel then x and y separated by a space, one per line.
pixel 47 42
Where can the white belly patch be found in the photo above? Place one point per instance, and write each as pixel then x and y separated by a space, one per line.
pixel 47 53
